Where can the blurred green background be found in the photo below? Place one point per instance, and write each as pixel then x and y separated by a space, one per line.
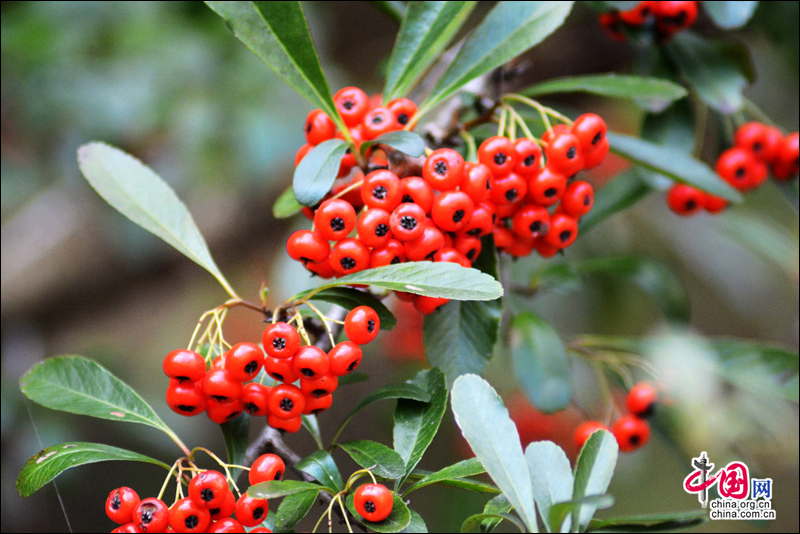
pixel 168 83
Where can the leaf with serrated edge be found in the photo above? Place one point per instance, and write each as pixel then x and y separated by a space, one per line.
pixel 386 462
pixel 594 470
pixel 485 424
pixel 293 508
pixel 315 174
pixel 398 519
pixel 409 143
pixel 236 433
pixel 48 463
pixel 279 488
pixel 133 189
pixel 551 478
pixel 464 468
pixel 320 465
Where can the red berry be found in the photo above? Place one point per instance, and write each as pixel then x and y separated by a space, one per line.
pixel 546 187
pixel 184 365
pixel 522 247
pixel 530 156
pixel 595 157
pixel 403 109
pixel 610 24
pixel 362 325
pixel 675 16
pixel 373 228
pixel 477 182
pixel 286 401
pixel 578 199
pixel 186 516
pixel 451 255
pixel 335 219
pixel 545 250
pixel 345 357
pixel 120 504
pixel 244 360
pixel 266 467
pixel 379 121
pixel 641 400
pixel 407 222
pixel 307 246
pixel 531 221
pixel 319 127
pixel 222 412
pixel 373 502
pixel 428 305
pixel 499 154
pixel 280 340
pixel 426 245
pixel 759 139
pixel 785 165
pixel 220 385
pixel 738 167
pixel 255 398
pixel 289 425
pixel 714 204
pixel 151 515
pixel 684 199
pixel 315 405
pixel 585 431
pixel 310 361
pixel 503 237
pixel 508 190
pixel 319 385
pixel 631 432
pixel 444 169
pixel 226 524
pixel 390 254
pixel 417 191
pixel 251 511
pixel 563 154
pixel 186 398
pixel 590 130
pixel 452 210
pixel 352 103
pixel 481 222
pixel 322 269
pixel 225 509
pixel 563 231
pixel 640 14
pixel 381 189
pixel 349 256
pixel 280 369
pixel 468 246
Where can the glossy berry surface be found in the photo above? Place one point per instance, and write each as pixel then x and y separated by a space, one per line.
pixel 381 189
pixel 335 219
pixel 286 401
pixel 186 516
pixel 150 515
pixel 373 502
pixel 362 325
pixel 244 360
pixel 641 400
pixel 120 504
pixel 208 489
pixel 307 246
pixel 444 169
pixel 631 432
pixel 186 398
pixel 352 103
pixel 280 340
pixel 349 256
pixel 250 511
pixel 184 365
pixel 266 467
pixel 499 154
pixel 344 358
pixel 407 222
pixel 220 385
pixel 319 127
pixel 310 361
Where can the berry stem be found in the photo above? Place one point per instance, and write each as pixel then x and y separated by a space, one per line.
pixel 518 119
pixel 501 127
pixel 324 322
pixel 169 475
pixel 347 189
pixel 472 150
pixel 220 462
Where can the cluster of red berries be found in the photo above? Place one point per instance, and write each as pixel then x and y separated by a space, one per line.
pixel 208 508
pixel 220 390
pixel 665 19
pixel 758 149
pixel 631 430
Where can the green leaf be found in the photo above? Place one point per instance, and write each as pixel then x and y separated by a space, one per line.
pixel 651 93
pixel 280 488
pixel 426 29
pixel 236 433
pixel 485 424
pixel 593 471
pixel 314 176
pixel 540 363
pixel 672 163
pixel 416 423
pixel 651 523
pixel 406 142
pixel 758 367
pixel 558 513
pixel 399 519
pixel 386 462
pixel 445 280
pixel 730 15
pixel 311 424
pixel 714 76
pixel 349 298
pixel 78 385
pixel 277 32
pixel 464 468
pixel 474 523
pixel 293 508
pixel 469 484
pixel 509 29
pixel 286 205
pixel 320 465
pixel 497 505
pixel 417 524
pixel 394 9
pixel 615 196
pixel 48 463
pixel 137 192
pixel 551 478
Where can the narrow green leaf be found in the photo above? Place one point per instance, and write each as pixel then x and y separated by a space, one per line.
pixel 464 468
pixel 142 196
pixel 406 142
pixel 394 9
pixel 236 433
pixel 349 298
pixel 593 471
pixel 399 519
pixel 651 93
pixel 673 522
pixel 730 15
pixel 497 505
pixel 280 488
pixel 560 511
pixel 293 508
pixel 416 423
pixel 615 196
pixel 277 32
pixel 551 478
pixel 672 163
pixel 48 463
pixel 386 462
pixel 416 525
pixel 320 465
pixel 426 29
pixel 469 484
pixel 540 363
pixel 509 29
pixel 714 76
pixel 314 176
pixel 286 205
pixel 78 385
pixel 311 424
pixel 484 422
pixel 474 523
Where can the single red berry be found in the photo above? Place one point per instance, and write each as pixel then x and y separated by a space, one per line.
pixel 381 189
pixel 286 401
pixel 631 432
pixel 120 504
pixel 361 325
pixel 352 103
pixel 315 405
pixel 444 169
pixel 759 139
pixel 244 360
pixel 392 253
pixel 225 509
pixel 345 357
pixel 251 511
pixel 373 502
pixel 503 237
pixel 641 14
pixel 417 191
pixel 428 305
pixel 310 362
pixel 349 256
pixel 531 221
pixel 280 340
pixel 373 228
pixel 595 157
pixel 322 269
pixel 335 219
pixel 184 365
pixel 451 255
pixel 468 246
pixel 255 398
pixel 685 200
pixel 151 515
pixel 280 369
pixel 499 154
pixel 407 222
pixel 585 431
pixel 610 24
pixel 563 154
pixel 546 187
pixel 379 121
pixel 222 412
pixel 481 222
pixel 426 245
pixel 403 109
pixel 590 130
pixel 641 400
pixel 452 210
pixel 785 165
pixel 301 153
pixel 477 182
pixel 530 156
pixel 319 127
pixel 226 524
pixel 674 16
pixel 738 167
pixel 186 398
pixel 563 231
pixel 186 516
pixel 307 246
pixel 220 385
pixel 267 467
pixel 578 199
pixel 319 385
pixel 289 425
pixel 508 190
